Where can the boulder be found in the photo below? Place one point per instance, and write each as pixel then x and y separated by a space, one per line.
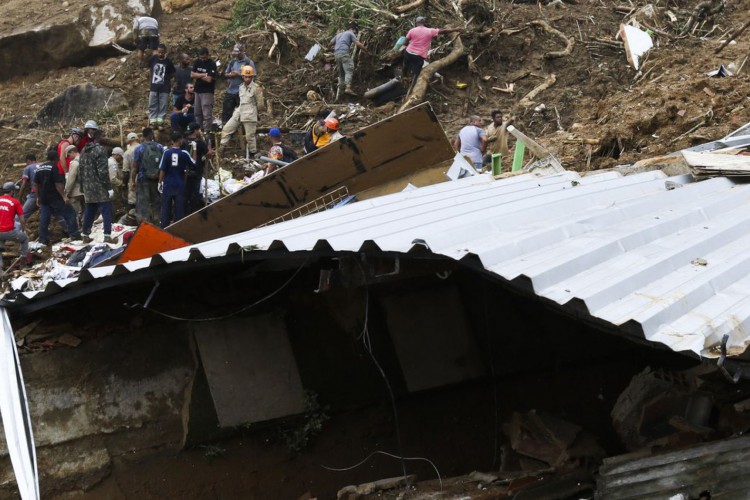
pixel 80 102
pixel 61 36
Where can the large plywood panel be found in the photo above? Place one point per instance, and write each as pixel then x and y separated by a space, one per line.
pixel 251 370
pixel 432 338
pixel 390 149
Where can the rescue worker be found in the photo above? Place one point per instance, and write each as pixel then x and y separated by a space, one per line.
pixel 251 100
pixel 93 171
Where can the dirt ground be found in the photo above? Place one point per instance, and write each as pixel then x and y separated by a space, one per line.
pixel 596 96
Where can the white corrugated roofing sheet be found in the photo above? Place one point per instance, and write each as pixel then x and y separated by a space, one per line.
pixel 673 263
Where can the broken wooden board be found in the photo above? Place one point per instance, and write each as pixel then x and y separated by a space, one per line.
pixel 717 164
pixel 390 149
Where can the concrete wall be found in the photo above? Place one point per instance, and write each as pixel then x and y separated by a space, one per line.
pixel 110 395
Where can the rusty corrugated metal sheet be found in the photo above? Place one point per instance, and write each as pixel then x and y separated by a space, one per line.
pixel 721 468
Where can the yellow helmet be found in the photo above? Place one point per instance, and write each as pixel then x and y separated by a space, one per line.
pixel 247 71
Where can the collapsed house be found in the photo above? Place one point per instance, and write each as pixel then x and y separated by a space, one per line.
pixel 398 295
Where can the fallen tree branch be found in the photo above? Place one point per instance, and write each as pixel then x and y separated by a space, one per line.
pixel 569 41
pixel 121 49
pixel 417 93
pixel 528 99
pixel 734 35
pixel 702 12
pixel 409 6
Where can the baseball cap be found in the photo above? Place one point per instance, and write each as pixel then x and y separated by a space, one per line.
pixel 275 132
pixel 237 48
pixel 193 126
pixel 132 136
pixel 118 151
pixel 420 19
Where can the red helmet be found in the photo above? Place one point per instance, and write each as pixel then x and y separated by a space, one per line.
pixel 332 123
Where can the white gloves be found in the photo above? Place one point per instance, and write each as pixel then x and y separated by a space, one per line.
pixel 160 187
pixel 111 193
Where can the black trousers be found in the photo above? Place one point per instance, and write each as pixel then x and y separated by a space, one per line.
pixel 231 101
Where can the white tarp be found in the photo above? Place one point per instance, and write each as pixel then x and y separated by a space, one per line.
pixel 14 411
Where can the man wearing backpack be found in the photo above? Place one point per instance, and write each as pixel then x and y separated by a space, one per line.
pixel 93 172
pixel 173 168
pixel 278 150
pixel 471 141
pixel 144 177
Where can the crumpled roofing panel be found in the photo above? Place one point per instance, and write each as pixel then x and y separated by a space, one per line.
pixel 670 265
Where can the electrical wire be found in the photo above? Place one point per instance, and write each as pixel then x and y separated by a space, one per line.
pixel 378 452
pixel 367 343
pixel 494 379
pixel 225 316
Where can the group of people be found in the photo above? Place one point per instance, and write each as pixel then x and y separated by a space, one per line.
pixel 79 179
pixel 480 144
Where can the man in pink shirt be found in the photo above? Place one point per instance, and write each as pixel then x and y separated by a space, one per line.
pixel 420 38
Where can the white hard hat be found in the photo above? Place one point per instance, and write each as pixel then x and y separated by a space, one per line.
pixel 91 124
pixel 118 151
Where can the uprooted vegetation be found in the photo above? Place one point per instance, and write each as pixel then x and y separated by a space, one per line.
pixel 558 68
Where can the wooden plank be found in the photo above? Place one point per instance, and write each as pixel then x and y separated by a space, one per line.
pixel 721 161
pixel 390 149
pixel 717 447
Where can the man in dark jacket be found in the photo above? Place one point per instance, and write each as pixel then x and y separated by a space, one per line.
pixel 93 171
pixel 51 199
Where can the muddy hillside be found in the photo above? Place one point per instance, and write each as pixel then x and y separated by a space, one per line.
pixel 559 68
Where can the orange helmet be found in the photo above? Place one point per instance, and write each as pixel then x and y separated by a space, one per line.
pixel 332 123
pixel 247 71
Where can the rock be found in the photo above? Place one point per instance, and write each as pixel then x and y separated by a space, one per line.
pixel 80 102
pixel 71 36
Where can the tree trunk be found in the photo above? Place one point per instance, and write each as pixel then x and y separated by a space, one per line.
pixel 416 96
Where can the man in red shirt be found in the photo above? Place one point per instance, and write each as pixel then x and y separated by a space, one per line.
pixel 63 164
pixel 9 208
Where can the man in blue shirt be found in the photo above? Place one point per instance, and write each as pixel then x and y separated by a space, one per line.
pixel 471 141
pixel 232 73
pixel 27 181
pixel 172 171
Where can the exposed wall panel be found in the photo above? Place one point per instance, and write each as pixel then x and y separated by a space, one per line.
pixel 250 368
pixel 432 338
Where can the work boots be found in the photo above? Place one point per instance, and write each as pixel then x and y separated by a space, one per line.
pixel 350 91
pixel 109 239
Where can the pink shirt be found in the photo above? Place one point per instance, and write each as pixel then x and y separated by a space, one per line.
pixel 420 39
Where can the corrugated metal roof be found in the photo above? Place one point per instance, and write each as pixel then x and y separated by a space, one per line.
pixel 720 467
pixel 622 249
